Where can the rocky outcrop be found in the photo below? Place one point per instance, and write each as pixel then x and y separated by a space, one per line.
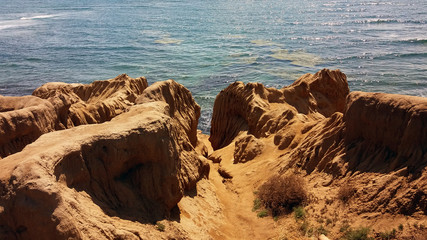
pixel 375 141
pixel 103 181
pixel 57 106
pixel 23 120
pixel 263 111
pixel 385 137
pixel 386 132
pixel 100 101
pixel 376 133
pixel 182 108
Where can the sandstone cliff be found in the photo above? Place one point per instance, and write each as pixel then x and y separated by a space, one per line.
pixel 103 181
pixel 373 143
pixel 262 111
pixel 24 119
pixel 137 159
pixel 100 101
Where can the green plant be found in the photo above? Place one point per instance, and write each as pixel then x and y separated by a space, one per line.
pixel 357 234
pixel 257 205
pixel 299 213
pixel 263 213
pixel 276 218
pixel 310 232
pixel 388 235
pixel 400 227
pixel 281 194
pixel 344 227
pixel 161 227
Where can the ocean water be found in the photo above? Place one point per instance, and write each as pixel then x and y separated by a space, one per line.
pixel 206 45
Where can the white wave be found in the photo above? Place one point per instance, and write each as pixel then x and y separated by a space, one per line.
pixel 14 24
pixel 39 17
pixel 23 21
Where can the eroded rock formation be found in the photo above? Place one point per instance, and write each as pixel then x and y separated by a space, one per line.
pixel 57 106
pixel 130 155
pixel 376 141
pixel 181 107
pixel 23 120
pixel 103 181
pixel 263 111
pixel 100 101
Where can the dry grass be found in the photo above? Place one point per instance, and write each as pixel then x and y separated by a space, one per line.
pixel 281 194
pixel 346 192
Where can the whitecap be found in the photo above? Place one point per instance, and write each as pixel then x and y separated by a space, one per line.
pixel 14 24
pixel 39 17
pixel 23 21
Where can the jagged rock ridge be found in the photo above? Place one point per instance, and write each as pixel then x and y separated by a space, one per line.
pixel 24 119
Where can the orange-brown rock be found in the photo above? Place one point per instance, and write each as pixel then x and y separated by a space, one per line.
pixel 377 132
pixel 57 106
pixel 100 101
pixel 386 132
pixel 247 148
pixel 23 120
pixel 102 181
pixel 386 140
pixel 375 142
pixel 262 111
pixel 181 107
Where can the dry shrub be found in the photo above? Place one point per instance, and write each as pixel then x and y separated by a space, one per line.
pixel 281 194
pixel 346 192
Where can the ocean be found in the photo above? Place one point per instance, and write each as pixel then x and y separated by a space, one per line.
pixel 205 45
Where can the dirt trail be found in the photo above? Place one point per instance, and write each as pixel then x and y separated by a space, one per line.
pixel 233 198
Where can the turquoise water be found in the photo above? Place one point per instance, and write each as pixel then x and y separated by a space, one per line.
pixel 206 45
